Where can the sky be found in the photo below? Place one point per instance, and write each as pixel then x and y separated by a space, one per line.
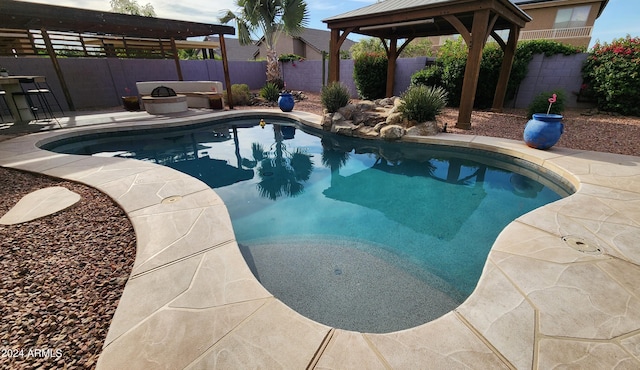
pixel 619 18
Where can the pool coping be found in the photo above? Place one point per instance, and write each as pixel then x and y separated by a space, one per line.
pixel 191 301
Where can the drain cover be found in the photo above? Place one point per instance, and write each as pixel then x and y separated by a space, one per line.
pixel 582 245
pixel 171 199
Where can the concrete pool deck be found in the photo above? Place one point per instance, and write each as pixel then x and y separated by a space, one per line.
pixel 192 302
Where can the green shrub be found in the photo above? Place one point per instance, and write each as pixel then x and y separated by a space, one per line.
pixel 370 75
pixel 451 62
pixel 422 103
pixel 540 103
pixel 428 76
pixel 270 92
pixel 334 96
pixel 612 73
pixel 240 94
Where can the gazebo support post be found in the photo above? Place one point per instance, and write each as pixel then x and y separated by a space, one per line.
pixel 334 52
pixel 334 56
pixel 225 68
pixel 472 70
pixel 176 59
pixel 505 70
pixel 392 55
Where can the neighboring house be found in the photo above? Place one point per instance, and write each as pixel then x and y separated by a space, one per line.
pixel 235 51
pixel 309 44
pixel 566 21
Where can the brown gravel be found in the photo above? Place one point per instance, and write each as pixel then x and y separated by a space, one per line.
pixel 62 275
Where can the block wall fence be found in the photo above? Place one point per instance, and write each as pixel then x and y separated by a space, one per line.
pixel 99 83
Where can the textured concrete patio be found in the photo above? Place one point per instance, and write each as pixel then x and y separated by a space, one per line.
pixel 191 302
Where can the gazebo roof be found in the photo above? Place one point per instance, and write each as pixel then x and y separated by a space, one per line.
pixel 421 18
pixel 25 15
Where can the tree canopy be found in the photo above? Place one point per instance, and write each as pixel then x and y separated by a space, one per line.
pixel 132 7
pixel 267 20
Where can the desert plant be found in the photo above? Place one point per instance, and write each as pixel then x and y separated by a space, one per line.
pixel 270 92
pixel 240 94
pixel 334 96
pixel 540 104
pixel 422 103
pixel 370 75
pixel 279 83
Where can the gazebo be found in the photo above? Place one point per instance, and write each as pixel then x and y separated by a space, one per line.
pixel 474 20
pixel 31 29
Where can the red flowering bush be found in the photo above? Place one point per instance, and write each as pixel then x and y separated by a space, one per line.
pixel 612 74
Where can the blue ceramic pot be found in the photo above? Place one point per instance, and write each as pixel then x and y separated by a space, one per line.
pixel 543 130
pixel 285 102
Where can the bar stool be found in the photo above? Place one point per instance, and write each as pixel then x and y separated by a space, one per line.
pixel 31 88
pixel 4 100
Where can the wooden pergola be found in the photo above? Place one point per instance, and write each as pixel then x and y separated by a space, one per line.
pixel 157 36
pixel 404 20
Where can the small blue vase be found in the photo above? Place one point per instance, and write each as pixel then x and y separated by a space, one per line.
pixel 543 130
pixel 285 102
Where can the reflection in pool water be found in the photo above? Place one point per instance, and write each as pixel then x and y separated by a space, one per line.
pixel 357 234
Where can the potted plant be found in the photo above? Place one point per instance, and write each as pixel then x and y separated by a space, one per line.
pixel 130 102
pixel 4 72
pixel 543 130
pixel 285 101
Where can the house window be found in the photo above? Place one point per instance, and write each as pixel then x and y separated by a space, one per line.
pixel 572 17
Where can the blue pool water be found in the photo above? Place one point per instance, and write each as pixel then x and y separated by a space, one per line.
pixel 357 234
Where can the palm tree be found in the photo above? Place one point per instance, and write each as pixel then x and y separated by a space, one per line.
pixel 282 173
pixel 268 18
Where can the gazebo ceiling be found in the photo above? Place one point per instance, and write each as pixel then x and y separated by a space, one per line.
pixel 24 15
pixel 422 18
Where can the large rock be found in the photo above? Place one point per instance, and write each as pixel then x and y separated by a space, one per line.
pixel 371 120
pixel 379 126
pixel 386 102
pixel 366 132
pixel 392 132
pixel 394 119
pixel 347 111
pixel 429 128
pixel 345 128
pixel 327 121
pixel 337 118
pixel 367 118
pixel 366 105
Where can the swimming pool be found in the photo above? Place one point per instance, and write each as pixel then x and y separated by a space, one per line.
pixel 356 234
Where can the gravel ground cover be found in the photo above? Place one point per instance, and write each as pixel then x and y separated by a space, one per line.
pixel 62 275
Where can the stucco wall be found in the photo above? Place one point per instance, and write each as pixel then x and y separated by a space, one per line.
pixel 98 83
pixel 549 73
